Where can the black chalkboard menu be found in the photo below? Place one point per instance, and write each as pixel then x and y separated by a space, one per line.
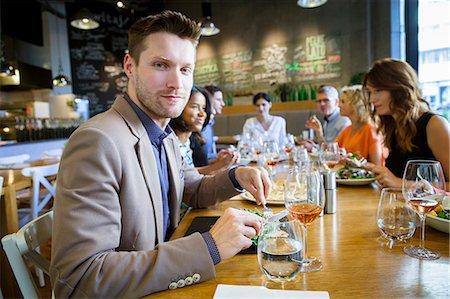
pixel 96 55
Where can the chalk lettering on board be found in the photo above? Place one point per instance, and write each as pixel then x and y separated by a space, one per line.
pixel 83 35
pixel 119 21
pixel 121 84
pixel 113 70
pixel 94 51
pixel 86 71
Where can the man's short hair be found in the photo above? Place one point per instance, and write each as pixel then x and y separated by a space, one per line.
pixel 167 21
pixel 212 89
pixel 329 90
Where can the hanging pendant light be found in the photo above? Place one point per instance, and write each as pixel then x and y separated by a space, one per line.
pixel 60 80
pixel 7 69
pixel 84 19
pixel 310 3
pixel 207 25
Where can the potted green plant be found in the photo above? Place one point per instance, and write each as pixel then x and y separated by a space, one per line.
pixel 283 90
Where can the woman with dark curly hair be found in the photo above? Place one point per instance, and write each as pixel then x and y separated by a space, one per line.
pixel 409 129
pixel 188 128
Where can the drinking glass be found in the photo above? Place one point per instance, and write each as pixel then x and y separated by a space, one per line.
pixel 423 186
pixel 329 154
pixel 395 218
pixel 301 155
pixel 279 247
pixel 290 144
pixel 270 155
pixel 303 200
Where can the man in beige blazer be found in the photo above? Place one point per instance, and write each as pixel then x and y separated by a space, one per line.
pixel 119 190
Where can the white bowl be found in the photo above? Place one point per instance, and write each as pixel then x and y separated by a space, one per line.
pixel 439 224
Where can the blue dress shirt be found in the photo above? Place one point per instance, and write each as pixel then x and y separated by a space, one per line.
pixel 156 136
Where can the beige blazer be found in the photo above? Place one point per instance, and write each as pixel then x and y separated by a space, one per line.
pixel 107 231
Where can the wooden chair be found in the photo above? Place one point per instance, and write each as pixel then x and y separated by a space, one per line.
pixel 11 160
pixel 1 186
pixel 53 153
pixel 40 177
pixel 23 247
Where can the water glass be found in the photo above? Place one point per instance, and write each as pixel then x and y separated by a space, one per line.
pixel 396 220
pixel 279 250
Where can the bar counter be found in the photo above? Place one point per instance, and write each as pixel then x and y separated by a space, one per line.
pixel 356 261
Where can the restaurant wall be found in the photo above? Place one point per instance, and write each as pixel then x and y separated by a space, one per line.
pixel 358 31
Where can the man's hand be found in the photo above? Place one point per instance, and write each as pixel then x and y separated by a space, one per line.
pixel 384 177
pixel 308 144
pixel 227 157
pixel 233 231
pixel 256 181
pixel 314 123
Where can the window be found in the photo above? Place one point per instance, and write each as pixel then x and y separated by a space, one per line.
pixel 434 53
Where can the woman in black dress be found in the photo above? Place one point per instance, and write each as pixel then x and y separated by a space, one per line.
pixel 409 129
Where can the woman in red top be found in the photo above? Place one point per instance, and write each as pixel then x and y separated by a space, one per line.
pixel 361 136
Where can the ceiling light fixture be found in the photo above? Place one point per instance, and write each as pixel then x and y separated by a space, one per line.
pixel 120 4
pixel 207 25
pixel 84 19
pixel 310 3
pixel 60 80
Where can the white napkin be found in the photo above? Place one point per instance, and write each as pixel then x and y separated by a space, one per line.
pixel 252 292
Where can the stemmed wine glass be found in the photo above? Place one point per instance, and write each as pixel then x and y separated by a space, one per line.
pixel 271 155
pixel 396 220
pixel 329 154
pixel 423 186
pixel 304 202
pixel 289 146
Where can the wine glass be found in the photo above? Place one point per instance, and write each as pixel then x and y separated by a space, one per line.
pixel 423 186
pixel 279 247
pixel 303 200
pixel 396 220
pixel 289 146
pixel 301 155
pixel 270 155
pixel 329 154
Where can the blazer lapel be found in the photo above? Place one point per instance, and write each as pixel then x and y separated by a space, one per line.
pixel 176 175
pixel 150 170
pixel 147 160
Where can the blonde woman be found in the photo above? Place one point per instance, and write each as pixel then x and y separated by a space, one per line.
pixel 409 129
pixel 361 136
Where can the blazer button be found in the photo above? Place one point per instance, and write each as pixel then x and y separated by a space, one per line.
pixel 189 280
pixel 180 283
pixel 196 277
pixel 172 285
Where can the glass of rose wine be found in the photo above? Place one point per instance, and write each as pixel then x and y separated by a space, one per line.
pixel 423 187
pixel 329 154
pixel 270 155
pixel 303 200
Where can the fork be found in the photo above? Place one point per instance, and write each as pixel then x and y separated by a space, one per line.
pixel 267 212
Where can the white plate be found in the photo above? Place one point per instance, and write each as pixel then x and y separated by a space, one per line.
pixel 439 224
pixel 355 182
pixel 246 195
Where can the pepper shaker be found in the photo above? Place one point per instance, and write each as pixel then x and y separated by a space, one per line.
pixel 329 183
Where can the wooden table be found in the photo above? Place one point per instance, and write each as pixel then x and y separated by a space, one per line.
pixel 356 261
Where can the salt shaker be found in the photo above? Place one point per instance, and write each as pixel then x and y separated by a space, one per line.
pixel 329 183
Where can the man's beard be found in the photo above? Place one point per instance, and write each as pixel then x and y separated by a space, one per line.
pixel 150 101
